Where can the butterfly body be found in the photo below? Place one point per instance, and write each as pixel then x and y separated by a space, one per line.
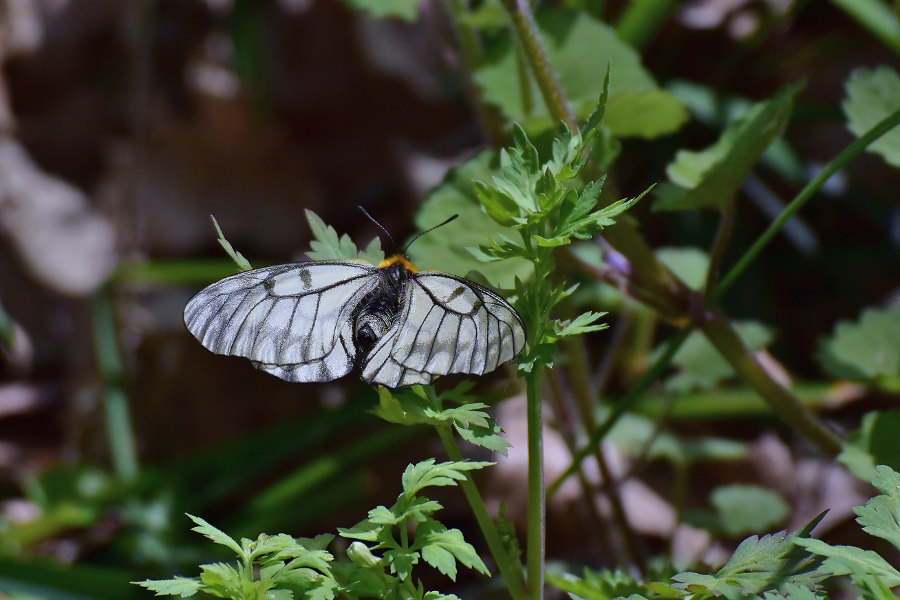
pixel 317 321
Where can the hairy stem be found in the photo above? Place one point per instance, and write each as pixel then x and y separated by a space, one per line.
pixel 509 567
pixel 529 37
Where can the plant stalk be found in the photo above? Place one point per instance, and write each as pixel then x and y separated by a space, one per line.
pixel 783 403
pixel 509 567
pixel 529 37
pixel 536 517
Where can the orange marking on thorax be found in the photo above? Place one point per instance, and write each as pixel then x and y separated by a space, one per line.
pixel 398 258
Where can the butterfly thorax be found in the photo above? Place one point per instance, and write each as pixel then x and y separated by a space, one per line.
pixel 378 310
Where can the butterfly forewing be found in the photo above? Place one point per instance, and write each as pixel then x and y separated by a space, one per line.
pixel 447 325
pixel 294 321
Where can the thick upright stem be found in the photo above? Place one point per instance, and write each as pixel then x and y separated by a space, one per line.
pixel 509 567
pixel 536 519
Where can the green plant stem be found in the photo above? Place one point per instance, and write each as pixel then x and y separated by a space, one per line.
pixel 641 19
pixel 117 412
pixel 536 517
pixel 641 386
pixel 725 339
pixel 838 162
pixel 529 37
pixel 509 567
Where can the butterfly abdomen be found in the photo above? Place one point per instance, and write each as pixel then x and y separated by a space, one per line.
pixel 377 312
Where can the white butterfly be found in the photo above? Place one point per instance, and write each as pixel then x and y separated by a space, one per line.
pixel 316 321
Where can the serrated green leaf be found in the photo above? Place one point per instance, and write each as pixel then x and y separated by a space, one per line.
pixel 881 515
pixel 709 178
pixel 598 585
pixel 177 586
pixel 401 407
pixel 865 350
pixel 758 564
pixel 221 578
pixel 853 561
pixel 216 535
pixel 401 562
pixel 583 323
pixel 873 94
pixel 426 473
pixel 486 437
pixel 367 530
pixel 242 263
pixel 327 245
pixel 568 38
pixel 442 547
pixel 407 10
pixel 448 247
pixel 791 591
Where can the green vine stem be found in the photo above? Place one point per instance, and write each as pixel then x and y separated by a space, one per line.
pixel 837 163
pixel 725 339
pixel 528 35
pixel 509 566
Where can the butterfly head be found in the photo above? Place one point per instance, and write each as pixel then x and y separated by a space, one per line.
pixel 400 261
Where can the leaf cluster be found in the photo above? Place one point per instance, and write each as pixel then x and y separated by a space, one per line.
pixel 548 204
pixel 327 245
pixel 386 547
pixel 276 567
pixel 391 541
pixel 422 405
pixel 778 565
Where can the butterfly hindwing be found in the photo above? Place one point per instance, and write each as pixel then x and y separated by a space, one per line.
pixel 293 321
pixel 446 325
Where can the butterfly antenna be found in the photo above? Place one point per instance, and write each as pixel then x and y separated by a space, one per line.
pixel 379 226
pixel 429 230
